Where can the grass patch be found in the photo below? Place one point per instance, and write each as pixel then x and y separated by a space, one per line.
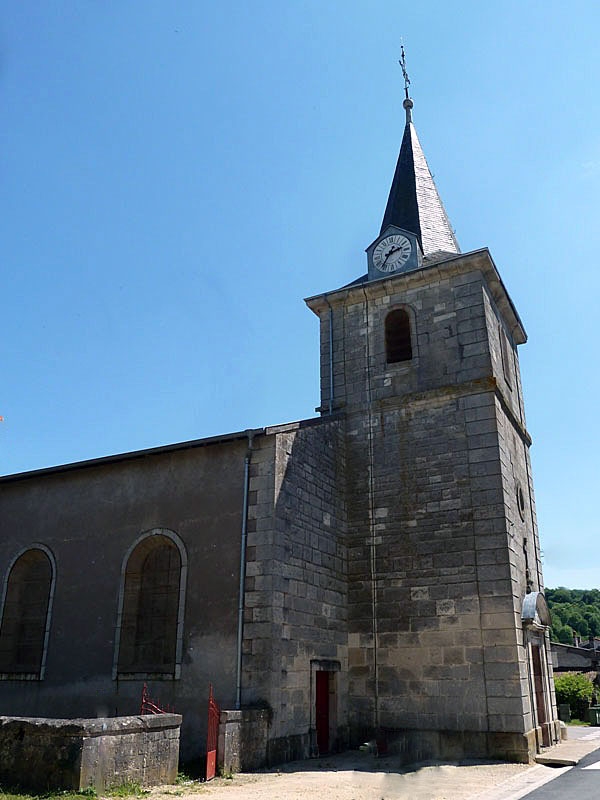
pixel 15 796
pixel 128 789
pixel 186 784
pixel 66 795
pixel 578 723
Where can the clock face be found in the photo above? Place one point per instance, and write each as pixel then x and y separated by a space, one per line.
pixel 391 253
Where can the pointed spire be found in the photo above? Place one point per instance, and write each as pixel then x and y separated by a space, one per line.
pixel 414 203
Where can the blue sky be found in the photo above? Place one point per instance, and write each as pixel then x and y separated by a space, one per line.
pixel 178 175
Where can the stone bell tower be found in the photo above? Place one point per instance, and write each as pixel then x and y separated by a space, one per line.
pixel 448 650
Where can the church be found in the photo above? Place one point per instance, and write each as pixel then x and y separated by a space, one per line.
pixel 370 574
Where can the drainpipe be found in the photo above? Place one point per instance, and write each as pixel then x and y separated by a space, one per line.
pixel 240 628
pixel 330 355
pixel 372 543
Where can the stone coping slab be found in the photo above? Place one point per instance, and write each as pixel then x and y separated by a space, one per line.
pixel 98 726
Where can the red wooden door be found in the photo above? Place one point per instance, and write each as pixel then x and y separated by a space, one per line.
pixel 322 711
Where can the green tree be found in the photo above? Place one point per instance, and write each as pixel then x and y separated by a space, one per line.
pixel 561 633
pixel 560 595
pixel 559 611
pixel 565 635
pixel 573 611
pixel 592 617
pixel 576 690
pixel 573 616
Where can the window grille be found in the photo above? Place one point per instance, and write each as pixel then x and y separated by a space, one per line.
pixel 148 637
pixel 25 614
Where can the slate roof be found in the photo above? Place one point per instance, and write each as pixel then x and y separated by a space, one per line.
pixel 414 203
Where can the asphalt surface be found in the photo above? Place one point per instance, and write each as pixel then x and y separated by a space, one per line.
pixel 581 782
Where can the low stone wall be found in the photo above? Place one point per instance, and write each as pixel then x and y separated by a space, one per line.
pixel 55 754
pixel 243 740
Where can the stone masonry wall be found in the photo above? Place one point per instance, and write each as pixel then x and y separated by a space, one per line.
pixel 446 637
pixel 519 500
pixel 296 586
pixel 92 514
pixel 55 754
pixel 435 637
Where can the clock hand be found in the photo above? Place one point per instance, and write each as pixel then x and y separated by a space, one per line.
pixel 390 253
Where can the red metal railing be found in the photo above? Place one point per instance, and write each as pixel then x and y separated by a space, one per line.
pixel 151 707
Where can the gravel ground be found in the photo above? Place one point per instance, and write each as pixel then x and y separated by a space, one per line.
pixel 353 777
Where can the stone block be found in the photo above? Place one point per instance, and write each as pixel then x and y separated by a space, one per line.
pixel 243 737
pixel 40 754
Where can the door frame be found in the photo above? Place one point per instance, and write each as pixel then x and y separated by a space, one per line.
pixel 332 668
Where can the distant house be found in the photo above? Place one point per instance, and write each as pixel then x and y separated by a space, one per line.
pixel 581 656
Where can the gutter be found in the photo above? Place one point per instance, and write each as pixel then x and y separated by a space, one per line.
pixel 129 456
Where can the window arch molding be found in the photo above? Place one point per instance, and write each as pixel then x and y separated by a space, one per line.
pixel 400 323
pixel 38 674
pixel 148 536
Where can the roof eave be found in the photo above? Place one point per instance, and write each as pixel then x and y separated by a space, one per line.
pixel 450 264
pixel 131 455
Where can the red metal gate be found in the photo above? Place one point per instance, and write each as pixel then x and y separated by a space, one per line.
pixel 212 736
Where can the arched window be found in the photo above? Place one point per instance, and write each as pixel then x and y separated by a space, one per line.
pixel 398 345
pixel 26 614
pixel 150 623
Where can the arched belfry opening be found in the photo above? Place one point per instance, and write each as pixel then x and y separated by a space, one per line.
pixel 398 344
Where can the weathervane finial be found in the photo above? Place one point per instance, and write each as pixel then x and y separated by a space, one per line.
pixel 408 103
pixel 402 63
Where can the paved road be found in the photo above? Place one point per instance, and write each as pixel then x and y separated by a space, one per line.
pixel 581 782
